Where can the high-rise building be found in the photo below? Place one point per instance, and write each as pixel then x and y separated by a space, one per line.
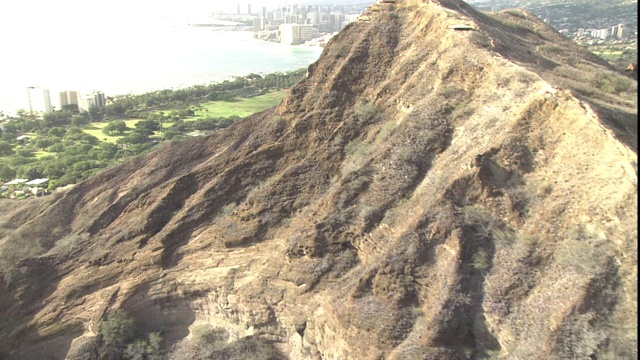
pixel 291 19
pixel 276 22
pixel 101 100
pixel 258 24
pixel 622 31
pixel 239 9
pixel 95 100
pixel 47 101
pixel 337 19
pixel 249 9
pixel 313 18
pixel 264 12
pixel 294 34
pixel 68 98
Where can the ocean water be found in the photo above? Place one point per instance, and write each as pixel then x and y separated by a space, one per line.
pixel 119 54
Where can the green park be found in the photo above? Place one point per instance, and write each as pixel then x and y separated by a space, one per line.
pixel 68 146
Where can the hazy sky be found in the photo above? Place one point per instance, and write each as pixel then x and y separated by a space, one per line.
pixel 52 11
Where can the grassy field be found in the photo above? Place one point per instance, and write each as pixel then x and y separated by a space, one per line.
pixel 618 54
pixel 95 129
pixel 242 107
pixel 43 153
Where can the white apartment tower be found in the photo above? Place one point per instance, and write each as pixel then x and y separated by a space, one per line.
pixel 47 101
pixel 294 34
pixel 68 98
pixel 621 31
pixel 95 100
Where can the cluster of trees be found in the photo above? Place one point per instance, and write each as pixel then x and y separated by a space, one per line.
pixel 246 86
pixel 71 155
pixel 181 127
pixel 119 337
pixel 24 122
pixel 74 154
pixel 78 156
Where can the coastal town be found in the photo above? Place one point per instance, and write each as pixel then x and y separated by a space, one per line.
pixel 610 30
pixel 295 24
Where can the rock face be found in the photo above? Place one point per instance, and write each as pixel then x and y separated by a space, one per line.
pixel 426 193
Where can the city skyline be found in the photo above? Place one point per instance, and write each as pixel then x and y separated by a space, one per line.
pixel 45 100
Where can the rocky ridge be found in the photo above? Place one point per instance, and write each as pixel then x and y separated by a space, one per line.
pixel 423 193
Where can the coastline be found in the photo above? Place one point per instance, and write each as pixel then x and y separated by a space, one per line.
pixel 231 53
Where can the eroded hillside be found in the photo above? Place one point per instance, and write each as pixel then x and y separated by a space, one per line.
pixel 425 193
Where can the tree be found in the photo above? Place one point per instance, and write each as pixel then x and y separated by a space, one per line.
pixel 56 148
pixel 169 134
pixel 133 138
pixel 73 108
pixel 151 125
pixel 79 120
pixel 8 137
pixel 6 149
pixel 57 118
pixel 7 173
pixel 115 127
pixel 54 169
pixel 115 109
pixel 107 151
pixel 89 139
pixel 57 132
pixel 44 143
pixel 32 172
pixel 118 329
pixel 10 127
pixel 25 153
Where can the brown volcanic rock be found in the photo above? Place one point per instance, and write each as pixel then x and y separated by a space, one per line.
pixel 424 194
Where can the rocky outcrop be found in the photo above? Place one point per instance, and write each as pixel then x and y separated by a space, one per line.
pixel 423 193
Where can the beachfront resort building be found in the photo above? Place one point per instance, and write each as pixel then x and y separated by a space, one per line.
pixel 294 34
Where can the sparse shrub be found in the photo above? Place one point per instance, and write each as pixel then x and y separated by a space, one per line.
pixel 367 212
pixel 352 189
pixel 405 154
pixel 480 218
pixel 552 49
pixel 579 254
pixel 208 335
pixel 247 348
pixel 610 83
pixel 386 131
pixel 366 112
pixel 480 260
pixel 358 153
pixel 89 349
pixel 150 349
pixel 322 266
pixel 118 338
pixel 516 13
pixel 449 90
pixel 118 329
pixel 351 147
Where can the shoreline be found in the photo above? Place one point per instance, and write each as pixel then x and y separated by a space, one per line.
pixel 232 53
